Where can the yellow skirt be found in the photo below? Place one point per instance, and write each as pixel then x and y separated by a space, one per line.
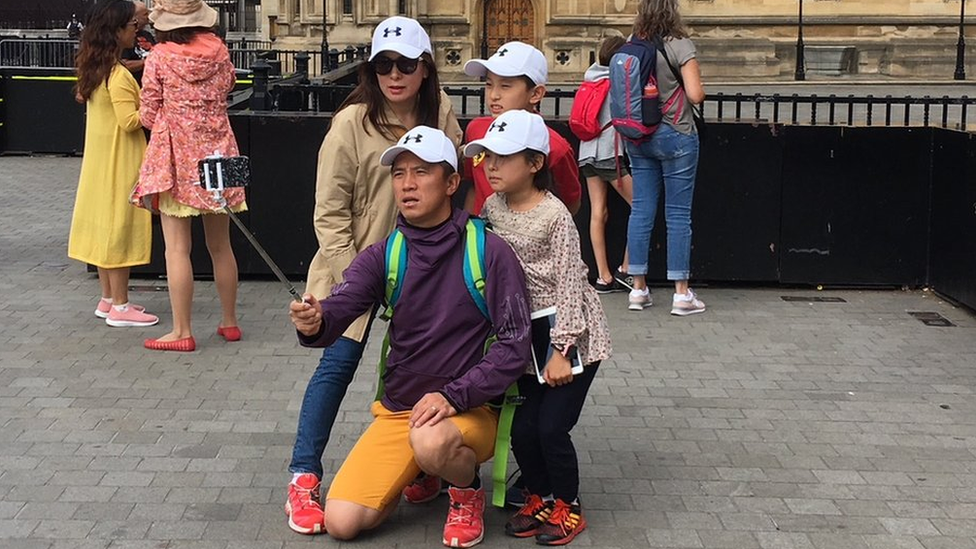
pixel 169 206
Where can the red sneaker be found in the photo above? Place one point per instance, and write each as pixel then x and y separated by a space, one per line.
pixel 424 488
pixel 465 526
pixel 564 523
pixel 305 515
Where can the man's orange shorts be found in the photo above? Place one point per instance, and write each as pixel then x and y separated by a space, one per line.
pixel 381 463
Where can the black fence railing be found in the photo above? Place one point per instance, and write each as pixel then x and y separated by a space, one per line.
pixel 833 110
pixel 284 62
pixel 51 53
pixel 813 110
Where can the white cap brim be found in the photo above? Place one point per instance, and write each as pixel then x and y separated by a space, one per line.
pixel 405 50
pixel 496 145
pixel 480 67
pixel 389 156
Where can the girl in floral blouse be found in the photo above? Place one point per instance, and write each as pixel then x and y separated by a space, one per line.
pixel 541 230
pixel 184 103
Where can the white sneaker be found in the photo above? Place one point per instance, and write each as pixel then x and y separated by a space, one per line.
pixel 639 299
pixel 688 304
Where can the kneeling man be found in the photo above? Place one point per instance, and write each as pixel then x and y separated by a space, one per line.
pixel 433 416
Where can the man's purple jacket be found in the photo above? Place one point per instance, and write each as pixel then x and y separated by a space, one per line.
pixel 437 335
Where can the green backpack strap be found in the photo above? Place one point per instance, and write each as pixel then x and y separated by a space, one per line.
pixel 474 263
pixel 396 267
pixel 503 440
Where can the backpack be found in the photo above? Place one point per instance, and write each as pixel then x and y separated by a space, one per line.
pixel 474 278
pixel 584 117
pixel 633 66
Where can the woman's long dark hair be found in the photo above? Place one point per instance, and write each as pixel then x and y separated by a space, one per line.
pixel 369 93
pixel 99 50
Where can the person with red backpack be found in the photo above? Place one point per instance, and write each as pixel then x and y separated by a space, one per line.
pixel 655 83
pixel 601 158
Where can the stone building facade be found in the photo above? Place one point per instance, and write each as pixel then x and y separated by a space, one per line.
pixel 736 38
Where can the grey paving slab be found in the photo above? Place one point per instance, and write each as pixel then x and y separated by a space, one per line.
pixel 760 424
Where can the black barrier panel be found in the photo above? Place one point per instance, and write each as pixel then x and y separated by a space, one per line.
pixel 855 206
pixel 953 239
pixel 41 114
pixel 736 211
pixel 283 165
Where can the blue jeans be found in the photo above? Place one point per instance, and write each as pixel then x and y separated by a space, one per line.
pixel 323 395
pixel 667 161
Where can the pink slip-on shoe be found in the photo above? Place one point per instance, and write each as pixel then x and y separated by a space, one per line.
pixel 104 307
pixel 130 317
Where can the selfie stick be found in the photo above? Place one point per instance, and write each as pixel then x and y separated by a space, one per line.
pixel 218 196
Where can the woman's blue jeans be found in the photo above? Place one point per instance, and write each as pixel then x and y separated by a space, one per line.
pixel 667 161
pixel 323 395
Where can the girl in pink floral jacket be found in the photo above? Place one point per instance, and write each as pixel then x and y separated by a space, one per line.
pixel 185 85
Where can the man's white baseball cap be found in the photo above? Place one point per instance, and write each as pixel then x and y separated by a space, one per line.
pixel 512 132
pixel 429 144
pixel 512 59
pixel 402 35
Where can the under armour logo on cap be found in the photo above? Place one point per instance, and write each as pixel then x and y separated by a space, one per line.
pixel 388 31
pixel 501 53
pixel 499 127
pixel 417 138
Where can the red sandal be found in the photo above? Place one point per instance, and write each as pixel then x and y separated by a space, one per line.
pixel 229 333
pixel 185 345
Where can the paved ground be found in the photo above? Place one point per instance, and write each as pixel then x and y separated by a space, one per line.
pixel 760 424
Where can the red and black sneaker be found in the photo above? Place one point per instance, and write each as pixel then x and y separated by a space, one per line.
pixel 533 514
pixel 564 523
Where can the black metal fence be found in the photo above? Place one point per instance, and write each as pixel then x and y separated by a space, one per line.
pixel 813 110
pixel 833 110
pixel 18 52
pixel 284 62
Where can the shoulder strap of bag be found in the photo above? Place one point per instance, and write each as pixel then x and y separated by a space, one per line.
pixel 659 44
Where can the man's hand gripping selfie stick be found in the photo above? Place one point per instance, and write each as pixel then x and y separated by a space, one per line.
pixel 215 164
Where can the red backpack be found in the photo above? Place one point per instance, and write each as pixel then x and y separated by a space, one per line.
pixel 584 118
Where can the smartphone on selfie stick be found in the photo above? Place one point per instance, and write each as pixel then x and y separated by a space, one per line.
pixel 218 173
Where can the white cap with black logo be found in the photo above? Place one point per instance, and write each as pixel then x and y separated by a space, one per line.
pixel 512 132
pixel 402 35
pixel 512 59
pixel 429 144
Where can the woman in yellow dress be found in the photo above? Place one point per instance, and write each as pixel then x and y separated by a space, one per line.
pixel 106 231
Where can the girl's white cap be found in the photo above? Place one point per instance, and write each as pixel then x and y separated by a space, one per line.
pixel 402 35
pixel 512 132
pixel 429 144
pixel 512 59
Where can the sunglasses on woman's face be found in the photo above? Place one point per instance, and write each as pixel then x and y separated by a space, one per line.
pixel 383 65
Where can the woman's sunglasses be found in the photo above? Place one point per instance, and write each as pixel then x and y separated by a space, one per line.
pixel 383 65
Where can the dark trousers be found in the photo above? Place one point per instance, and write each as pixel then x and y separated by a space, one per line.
pixel 540 434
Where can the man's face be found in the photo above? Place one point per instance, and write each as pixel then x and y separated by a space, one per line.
pixel 507 93
pixel 422 190
pixel 142 15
